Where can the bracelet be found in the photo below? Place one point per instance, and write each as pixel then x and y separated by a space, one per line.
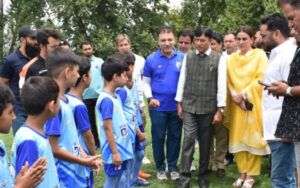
pixel 288 91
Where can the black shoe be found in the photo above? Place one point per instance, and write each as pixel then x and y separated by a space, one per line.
pixel 202 182
pixel 220 173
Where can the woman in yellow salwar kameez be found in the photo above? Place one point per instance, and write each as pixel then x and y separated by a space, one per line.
pixel 244 69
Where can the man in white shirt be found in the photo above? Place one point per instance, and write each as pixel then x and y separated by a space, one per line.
pixel 275 37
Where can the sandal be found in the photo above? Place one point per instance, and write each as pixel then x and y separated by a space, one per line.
pixel 248 183
pixel 238 182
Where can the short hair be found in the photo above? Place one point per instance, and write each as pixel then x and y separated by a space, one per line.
pixel 276 21
pixel 6 97
pixel 44 34
pixel 84 68
pixel 64 42
pixel 294 3
pixel 218 37
pixel 27 31
pixel 113 65
pixel 246 29
pixel 59 58
pixel 122 37
pixel 127 57
pixel 230 33
pixel 165 29
pixel 203 30
pixel 186 33
pixel 37 92
pixel 85 43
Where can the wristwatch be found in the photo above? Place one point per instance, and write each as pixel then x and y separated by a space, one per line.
pixel 149 99
pixel 288 91
pixel 221 109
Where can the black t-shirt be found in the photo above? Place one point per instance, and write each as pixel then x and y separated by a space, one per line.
pixel 38 68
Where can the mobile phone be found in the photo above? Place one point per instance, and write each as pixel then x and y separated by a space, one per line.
pixel 248 105
pixel 264 84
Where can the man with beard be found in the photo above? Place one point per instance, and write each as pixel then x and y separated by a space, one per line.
pixel 48 39
pixel 275 38
pixel 288 126
pixel 12 66
pixel 90 94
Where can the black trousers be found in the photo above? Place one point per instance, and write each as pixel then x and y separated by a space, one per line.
pixel 91 104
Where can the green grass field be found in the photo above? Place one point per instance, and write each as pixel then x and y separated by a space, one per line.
pixel 263 181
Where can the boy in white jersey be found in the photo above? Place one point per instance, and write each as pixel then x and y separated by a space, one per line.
pixel 31 142
pixel 27 177
pixel 70 159
pixel 130 101
pixel 80 111
pixel 116 146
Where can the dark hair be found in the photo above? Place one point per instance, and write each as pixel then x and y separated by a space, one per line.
pixel 218 37
pixel 230 33
pixel 27 31
pixel 186 33
pixel 276 21
pixel 37 92
pixel 204 30
pixel 64 42
pixel 113 65
pixel 44 34
pixel 127 57
pixel 294 3
pixel 59 58
pixel 165 29
pixel 6 97
pixel 85 43
pixel 84 68
pixel 246 29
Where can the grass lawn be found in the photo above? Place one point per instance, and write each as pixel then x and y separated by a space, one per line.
pixel 263 181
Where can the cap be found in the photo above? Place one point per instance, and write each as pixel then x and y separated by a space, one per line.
pixel 27 31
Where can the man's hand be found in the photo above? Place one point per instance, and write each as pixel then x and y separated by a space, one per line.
pixel 237 98
pixel 153 103
pixel 117 161
pixel 217 118
pixel 91 162
pixel 278 88
pixel 179 110
pixel 33 176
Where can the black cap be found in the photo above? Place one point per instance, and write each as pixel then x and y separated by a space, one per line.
pixel 27 31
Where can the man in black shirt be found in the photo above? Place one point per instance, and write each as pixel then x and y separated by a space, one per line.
pixel 48 39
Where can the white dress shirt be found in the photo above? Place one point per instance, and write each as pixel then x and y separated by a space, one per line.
pixel 221 85
pixel 278 69
pixel 137 75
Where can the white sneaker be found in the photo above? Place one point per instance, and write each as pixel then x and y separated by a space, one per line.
pixel 193 168
pixel 161 175
pixel 146 160
pixel 174 175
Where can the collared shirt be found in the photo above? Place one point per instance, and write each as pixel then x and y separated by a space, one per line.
pixel 10 69
pixel 163 73
pixel 97 83
pixel 278 69
pixel 222 86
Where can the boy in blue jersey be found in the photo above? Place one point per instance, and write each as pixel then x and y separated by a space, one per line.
pixel 130 101
pixel 70 159
pixel 30 142
pixel 27 177
pixel 114 135
pixel 80 111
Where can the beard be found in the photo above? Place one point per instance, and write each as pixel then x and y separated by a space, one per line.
pixel 32 50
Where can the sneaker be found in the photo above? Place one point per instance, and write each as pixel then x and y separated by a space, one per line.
pixel 193 168
pixel 146 160
pixel 174 175
pixel 144 175
pixel 161 175
pixel 142 183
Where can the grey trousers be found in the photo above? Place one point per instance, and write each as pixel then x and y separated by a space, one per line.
pixel 192 122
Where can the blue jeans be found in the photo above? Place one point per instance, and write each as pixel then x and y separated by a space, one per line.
pixel 112 181
pixel 165 123
pixel 283 164
pixel 18 122
pixel 125 179
pixel 138 158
